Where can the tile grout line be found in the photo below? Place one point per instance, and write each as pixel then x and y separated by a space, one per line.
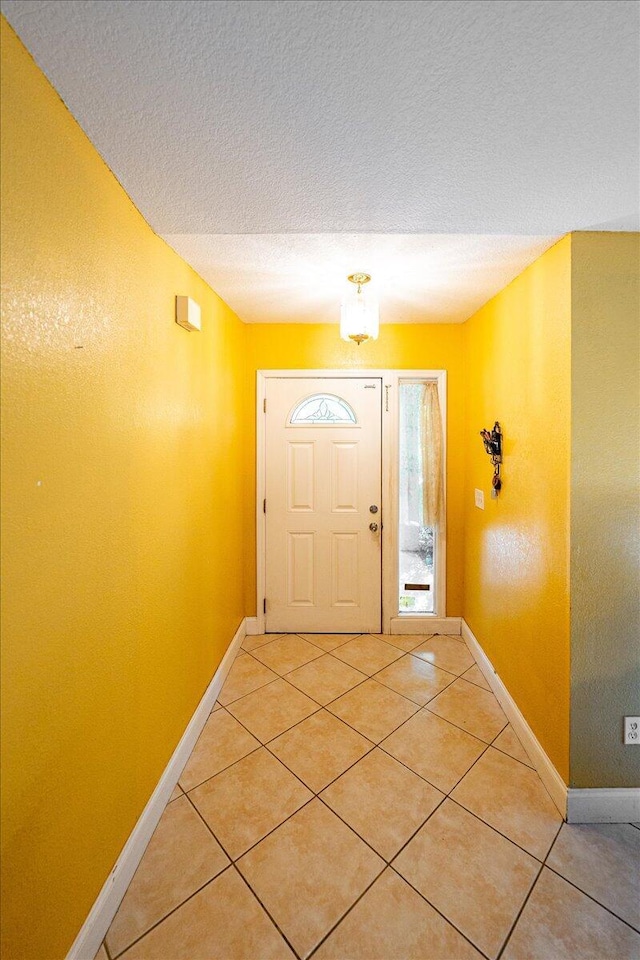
pixel 266 747
pixel 439 912
pixel 298 666
pixel 260 686
pixel 379 745
pixel 504 753
pixel 513 926
pixel 571 884
pixel 261 746
pixel 254 894
pixel 591 897
pixel 499 832
pixel 276 636
pixel 489 743
pixel 323 652
pixel 420 706
pixel 346 913
pixel 185 793
pixel 193 893
pixel 211 830
pixel 463 676
pixel 116 956
pixel 337 777
pixel 353 829
pixel 464 729
pixel 417 830
pixel 295 724
pixel 233 862
pixel 351 636
pixel 316 795
pixel 526 899
pixel 323 707
pixel 448 796
pixel 327 705
pixel 446 792
pixel 410 702
pixel 340 695
pixel 366 677
pixel 481 819
pixel 182 902
pixel 372 676
pixel 412 653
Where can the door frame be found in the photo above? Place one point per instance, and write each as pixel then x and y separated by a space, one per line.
pixel 392 621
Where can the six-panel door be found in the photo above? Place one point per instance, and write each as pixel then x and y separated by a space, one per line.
pixel 323 474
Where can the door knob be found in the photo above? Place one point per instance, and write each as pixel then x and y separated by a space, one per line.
pixel 373 527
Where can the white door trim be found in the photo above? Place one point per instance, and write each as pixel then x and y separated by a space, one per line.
pixel 391 622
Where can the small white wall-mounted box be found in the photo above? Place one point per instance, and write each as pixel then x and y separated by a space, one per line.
pixel 188 313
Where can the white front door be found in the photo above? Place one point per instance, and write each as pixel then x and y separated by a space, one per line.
pixel 323 499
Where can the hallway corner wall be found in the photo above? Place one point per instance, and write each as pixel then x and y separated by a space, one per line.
pixel 122 511
pixel 516 557
pixel 306 346
pixel 605 507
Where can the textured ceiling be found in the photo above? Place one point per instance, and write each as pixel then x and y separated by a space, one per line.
pixel 460 117
pixel 300 278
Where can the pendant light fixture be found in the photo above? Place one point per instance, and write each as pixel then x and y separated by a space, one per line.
pixel 359 314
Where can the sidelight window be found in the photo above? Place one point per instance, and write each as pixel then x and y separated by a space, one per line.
pixel 421 495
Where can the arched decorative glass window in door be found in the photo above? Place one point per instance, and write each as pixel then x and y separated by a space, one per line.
pixel 323 409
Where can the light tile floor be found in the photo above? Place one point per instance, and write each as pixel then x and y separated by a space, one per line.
pixel 363 798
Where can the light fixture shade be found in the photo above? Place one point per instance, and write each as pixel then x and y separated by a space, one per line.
pixel 359 313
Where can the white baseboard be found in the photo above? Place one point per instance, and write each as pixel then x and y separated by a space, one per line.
pixel 426 625
pixel 399 625
pixel 553 782
pixel 93 930
pixel 604 805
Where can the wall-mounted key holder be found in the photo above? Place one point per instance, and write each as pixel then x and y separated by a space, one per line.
pixel 492 440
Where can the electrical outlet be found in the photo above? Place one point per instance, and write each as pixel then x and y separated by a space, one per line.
pixel 632 730
pixel 480 499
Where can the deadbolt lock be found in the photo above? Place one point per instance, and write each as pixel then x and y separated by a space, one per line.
pixel 373 508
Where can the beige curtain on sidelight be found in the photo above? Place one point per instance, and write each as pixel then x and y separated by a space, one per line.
pixel 432 453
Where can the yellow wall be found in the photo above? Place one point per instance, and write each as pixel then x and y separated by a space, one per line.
pixel 122 538
pixel 605 533
pixel 402 346
pixel 129 490
pixel 516 598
